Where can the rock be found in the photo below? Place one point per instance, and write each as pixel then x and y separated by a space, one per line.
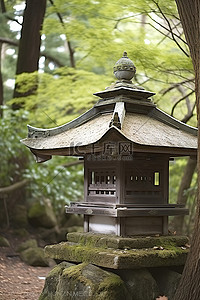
pixel 75 229
pixel 4 242
pixel 115 258
pixel 167 281
pixel 73 220
pixel 172 243
pixel 49 235
pixel 83 281
pixel 42 215
pixel 52 280
pixel 140 284
pixel 34 257
pixel 21 232
pixel 62 236
pixel 19 216
pixel 28 244
pixel 87 281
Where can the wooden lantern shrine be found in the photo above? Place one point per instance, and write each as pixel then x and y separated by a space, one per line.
pixel 126 143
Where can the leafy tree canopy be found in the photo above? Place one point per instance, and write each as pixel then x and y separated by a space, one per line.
pixel 81 41
pixel 91 36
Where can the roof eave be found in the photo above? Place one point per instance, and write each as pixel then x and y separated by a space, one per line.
pixel 98 146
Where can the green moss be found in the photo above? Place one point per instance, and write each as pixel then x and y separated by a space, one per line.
pixel 117 259
pixel 111 288
pixel 42 215
pixel 34 257
pixel 4 242
pixel 52 281
pixel 37 209
pixel 58 269
pixel 111 281
pixel 75 273
pixel 31 243
pixel 21 232
pixel 115 242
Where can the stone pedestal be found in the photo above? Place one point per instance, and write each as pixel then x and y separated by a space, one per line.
pixel 121 253
pixel 98 266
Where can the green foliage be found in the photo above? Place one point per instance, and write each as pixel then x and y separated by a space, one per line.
pixel 54 181
pixel 176 170
pixel 98 32
pixel 50 180
pixel 61 96
pixel 12 128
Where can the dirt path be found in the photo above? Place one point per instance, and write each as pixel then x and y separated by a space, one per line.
pixel 18 280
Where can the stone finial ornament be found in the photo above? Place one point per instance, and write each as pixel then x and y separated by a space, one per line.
pixel 124 68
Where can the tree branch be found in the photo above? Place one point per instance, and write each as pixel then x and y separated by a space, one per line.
pixel 189 115
pixel 11 188
pixel 173 86
pixel 71 50
pixel 8 41
pixel 44 53
pixel 52 59
pixel 73 163
pixel 183 98
pixel 170 29
pixel 14 20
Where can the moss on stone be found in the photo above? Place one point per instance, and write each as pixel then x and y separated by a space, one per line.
pixel 117 258
pixel 4 242
pixel 37 209
pixel 115 242
pixel 112 288
pixel 112 281
pixel 42 215
pixel 34 257
pixel 31 243
pixel 90 282
pixel 74 272
pixel 52 280
pixel 21 232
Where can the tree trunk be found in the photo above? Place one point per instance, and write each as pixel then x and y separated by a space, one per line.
pixel 189 288
pixel 182 197
pixel 3 10
pixel 1 85
pixel 3 7
pixel 29 46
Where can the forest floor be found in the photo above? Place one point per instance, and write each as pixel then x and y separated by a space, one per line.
pixel 17 279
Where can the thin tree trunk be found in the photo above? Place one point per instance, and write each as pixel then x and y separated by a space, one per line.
pixel 189 288
pixel 3 7
pixel 3 10
pixel 29 47
pixel 71 50
pixel 182 197
pixel 1 84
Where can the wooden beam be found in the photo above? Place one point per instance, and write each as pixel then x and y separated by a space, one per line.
pixel 118 115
